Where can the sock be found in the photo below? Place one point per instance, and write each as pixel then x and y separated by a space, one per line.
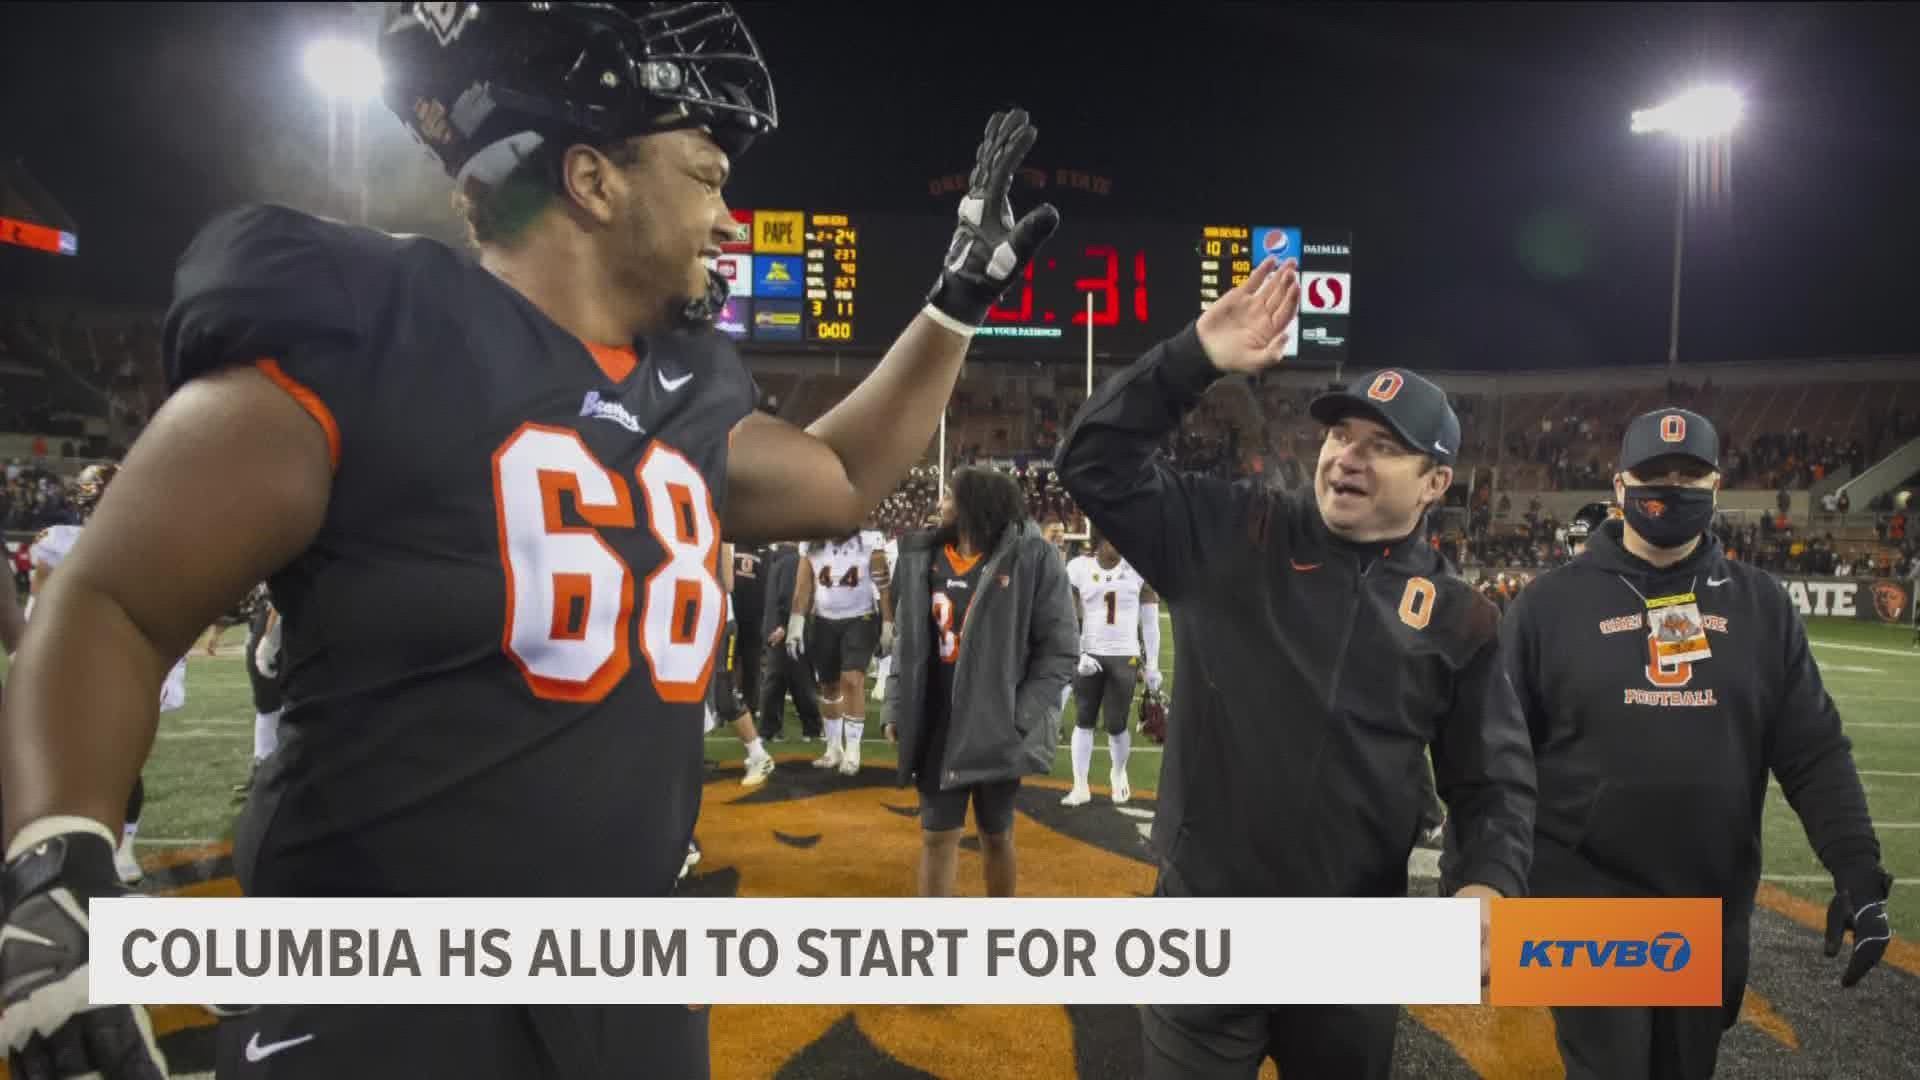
pixel 135 801
pixel 1082 755
pixel 832 724
pixel 266 734
pixel 1118 746
pixel 854 729
pixel 755 751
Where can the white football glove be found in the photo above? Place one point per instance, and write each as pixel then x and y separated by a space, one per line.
pixel 1153 680
pixel 796 632
pixel 886 638
pixel 48 1026
pixel 1088 665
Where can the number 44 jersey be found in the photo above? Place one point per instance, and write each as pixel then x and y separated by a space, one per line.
pixel 498 645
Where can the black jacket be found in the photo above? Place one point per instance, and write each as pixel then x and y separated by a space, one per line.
pixel 1652 781
pixel 1314 673
pixel 1017 651
pixel 781 562
pixel 750 589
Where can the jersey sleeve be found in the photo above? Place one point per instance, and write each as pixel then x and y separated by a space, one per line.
pixel 49 547
pixel 272 287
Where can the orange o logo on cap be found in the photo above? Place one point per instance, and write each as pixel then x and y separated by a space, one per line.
pixel 1673 428
pixel 1386 386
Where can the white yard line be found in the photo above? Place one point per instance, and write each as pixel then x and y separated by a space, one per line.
pixel 173 841
pixel 1875 649
pixel 1882 772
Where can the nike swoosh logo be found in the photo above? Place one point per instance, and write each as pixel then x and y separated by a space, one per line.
pixel 1712 584
pixel 1442 449
pixel 1303 567
pixel 257 1052
pixel 670 385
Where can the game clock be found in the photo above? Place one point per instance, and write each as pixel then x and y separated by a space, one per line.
pixel 850 281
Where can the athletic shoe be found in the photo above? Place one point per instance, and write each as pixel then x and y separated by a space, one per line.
pixel 758 770
pixel 1079 796
pixel 1122 791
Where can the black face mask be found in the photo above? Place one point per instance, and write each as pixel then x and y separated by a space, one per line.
pixel 1668 516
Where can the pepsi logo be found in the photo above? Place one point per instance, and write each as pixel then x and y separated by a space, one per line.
pixel 1326 293
pixel 1277 243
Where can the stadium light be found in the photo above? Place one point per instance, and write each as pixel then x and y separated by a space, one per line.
pixel 1703 115
pixel 1704 112
pixel 343 70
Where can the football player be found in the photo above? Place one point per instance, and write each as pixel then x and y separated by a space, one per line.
pixel 840 582
pixel 489 492
pixel 1117 608
pixel 986 640
pixel 1585 521
pixel 724 696
pixel 49 550
pixel 263 674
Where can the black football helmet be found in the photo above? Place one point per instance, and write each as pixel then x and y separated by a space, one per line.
pixel 1585 520
pixel 467 77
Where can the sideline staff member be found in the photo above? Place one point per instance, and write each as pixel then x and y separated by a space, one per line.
pixel 1661 684
pixel 1326 648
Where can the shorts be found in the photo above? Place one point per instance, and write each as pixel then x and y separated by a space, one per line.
pixel 840 645
pixel 1107 694
pixel 992 806
pixel 461 1042
pixel 723 693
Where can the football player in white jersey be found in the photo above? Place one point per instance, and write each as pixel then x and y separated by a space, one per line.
pixel 1117 609
pixel 49 549
pixel 840 583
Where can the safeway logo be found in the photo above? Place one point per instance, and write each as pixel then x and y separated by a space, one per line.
pixel 1606 952
pixel 1326 293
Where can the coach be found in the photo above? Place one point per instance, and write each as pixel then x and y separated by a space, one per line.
pixel 1324 649
pixel 1662 683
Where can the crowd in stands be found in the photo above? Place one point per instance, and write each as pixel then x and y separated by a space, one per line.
pixel 33 498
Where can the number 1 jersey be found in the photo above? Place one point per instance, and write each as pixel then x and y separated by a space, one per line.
pixel 497 648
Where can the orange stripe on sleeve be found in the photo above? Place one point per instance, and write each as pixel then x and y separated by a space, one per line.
pixel 307 400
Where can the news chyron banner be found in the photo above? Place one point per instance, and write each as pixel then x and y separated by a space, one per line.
pixel 1881 600
pixel 332 951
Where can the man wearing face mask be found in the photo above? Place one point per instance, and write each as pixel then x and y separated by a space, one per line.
pixel 1662 683
pixel 1325 649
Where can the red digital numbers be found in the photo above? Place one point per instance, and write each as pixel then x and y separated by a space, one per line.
pixel 1105 287
pixel 1024 313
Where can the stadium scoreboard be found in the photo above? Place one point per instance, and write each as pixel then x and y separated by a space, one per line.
pixel 850 281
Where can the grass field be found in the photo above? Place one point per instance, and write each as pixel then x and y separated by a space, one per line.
pixel 1872 671
pixel 809 834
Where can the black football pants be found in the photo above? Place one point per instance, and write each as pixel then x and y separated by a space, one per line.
pixel 1655 1043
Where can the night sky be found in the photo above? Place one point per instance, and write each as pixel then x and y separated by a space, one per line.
pixel 1503 215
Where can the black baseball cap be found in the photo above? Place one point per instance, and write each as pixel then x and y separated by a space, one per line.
pixel 1410 406
pixel 1669 431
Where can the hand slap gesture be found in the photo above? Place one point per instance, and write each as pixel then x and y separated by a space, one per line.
pixel 1246 330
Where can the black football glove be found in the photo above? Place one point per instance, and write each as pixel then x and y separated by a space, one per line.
pixel 50 1030
pixel 989 248
pixel 1863 910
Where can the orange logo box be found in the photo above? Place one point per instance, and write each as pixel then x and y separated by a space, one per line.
pixel 1606 952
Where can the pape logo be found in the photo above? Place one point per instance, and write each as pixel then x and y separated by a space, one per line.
pixel 1606 952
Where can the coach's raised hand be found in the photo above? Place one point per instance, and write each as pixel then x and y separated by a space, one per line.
pixel 989 247
pixel 1246 330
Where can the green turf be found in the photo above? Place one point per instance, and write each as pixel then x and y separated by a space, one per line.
pixel 203 751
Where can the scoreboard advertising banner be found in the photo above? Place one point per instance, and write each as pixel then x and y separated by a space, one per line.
pixel 1881 600
pixel 797 280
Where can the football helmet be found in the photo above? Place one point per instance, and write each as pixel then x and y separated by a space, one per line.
pixel 90 484
pixel 1153 717
pixel 490 81
pixel 1586 519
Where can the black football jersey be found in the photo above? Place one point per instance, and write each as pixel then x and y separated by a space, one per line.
pixel 498 646
pixel 953 580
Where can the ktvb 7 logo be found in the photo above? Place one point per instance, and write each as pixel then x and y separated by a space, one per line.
pixel 1606 952
pixel 1668 951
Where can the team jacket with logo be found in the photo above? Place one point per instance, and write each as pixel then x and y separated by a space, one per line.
pixel 1653 776
pixel 1314 673
pixel 505 627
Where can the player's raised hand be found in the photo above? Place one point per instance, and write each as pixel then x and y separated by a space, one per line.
pixel 1246 330
pixel 989 247
pixel 49 1027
